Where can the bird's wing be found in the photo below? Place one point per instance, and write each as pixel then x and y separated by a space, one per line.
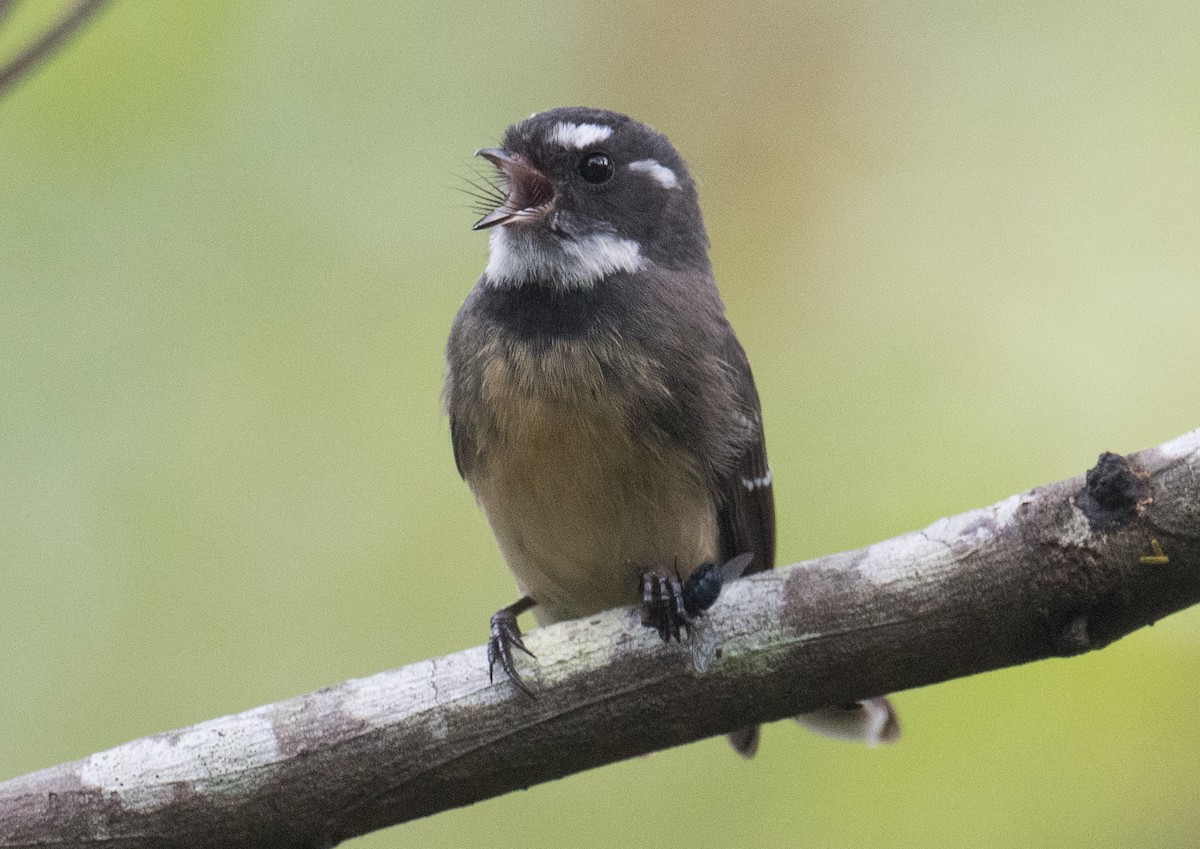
pixel 745 498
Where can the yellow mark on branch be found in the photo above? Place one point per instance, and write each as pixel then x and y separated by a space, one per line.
pixel 1158 558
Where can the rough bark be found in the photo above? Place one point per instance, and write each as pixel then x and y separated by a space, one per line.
pixel 1059 570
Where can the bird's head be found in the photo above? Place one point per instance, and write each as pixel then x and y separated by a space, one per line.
pixel 588 193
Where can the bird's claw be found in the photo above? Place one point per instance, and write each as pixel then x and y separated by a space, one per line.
pixel 506 635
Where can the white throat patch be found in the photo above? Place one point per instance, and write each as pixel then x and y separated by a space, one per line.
pixel 516 258
pixel 579 136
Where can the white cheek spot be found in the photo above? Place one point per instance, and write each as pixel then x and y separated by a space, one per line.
pixel 579 136
pixel 663 175
pixel 752 484
pixel 516 258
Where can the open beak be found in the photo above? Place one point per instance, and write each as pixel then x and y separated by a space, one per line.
pixel 530 192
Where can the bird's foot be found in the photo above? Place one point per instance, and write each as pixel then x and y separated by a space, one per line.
pixel 662 604
pixel 506 635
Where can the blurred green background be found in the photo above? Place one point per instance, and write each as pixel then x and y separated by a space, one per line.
pixel 959 242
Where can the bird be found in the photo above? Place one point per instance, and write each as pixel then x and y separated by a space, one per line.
pixel 601 407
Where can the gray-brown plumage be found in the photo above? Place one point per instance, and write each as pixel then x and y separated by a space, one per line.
pixel 601 407
pixel 615 444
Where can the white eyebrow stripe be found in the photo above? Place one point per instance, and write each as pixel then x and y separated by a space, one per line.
pixel 579 136
pixel 661 173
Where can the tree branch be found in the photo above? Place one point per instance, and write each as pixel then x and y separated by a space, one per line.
pixel 13 71
pixel 1056 571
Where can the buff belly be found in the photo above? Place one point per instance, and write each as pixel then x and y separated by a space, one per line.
pixel 581 506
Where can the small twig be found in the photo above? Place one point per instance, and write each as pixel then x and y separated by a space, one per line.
pixel 49 42
pixel 6 6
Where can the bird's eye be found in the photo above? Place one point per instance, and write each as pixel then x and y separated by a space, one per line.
pixel 596 168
